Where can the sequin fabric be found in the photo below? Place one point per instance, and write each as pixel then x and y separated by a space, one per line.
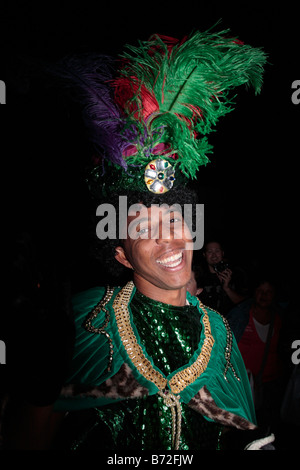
pixel 170 334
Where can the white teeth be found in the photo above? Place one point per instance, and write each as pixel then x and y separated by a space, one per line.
pixel 171 261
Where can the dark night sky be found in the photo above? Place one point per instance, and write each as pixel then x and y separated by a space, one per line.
pixel 249 189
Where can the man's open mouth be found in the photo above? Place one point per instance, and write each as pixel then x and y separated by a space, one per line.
pixel 171 261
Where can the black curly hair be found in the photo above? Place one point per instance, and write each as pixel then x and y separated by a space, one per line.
pixel 104 250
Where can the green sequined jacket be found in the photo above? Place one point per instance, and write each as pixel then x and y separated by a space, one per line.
pixel 136 358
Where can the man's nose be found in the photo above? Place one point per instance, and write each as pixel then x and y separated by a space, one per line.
pixel 165 234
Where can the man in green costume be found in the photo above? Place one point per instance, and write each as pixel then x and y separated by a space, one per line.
pixel 153 368
pixel 161 370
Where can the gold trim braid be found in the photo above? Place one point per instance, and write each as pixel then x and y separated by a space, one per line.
pixel 101 331
pixel 187 376
pixel 134 350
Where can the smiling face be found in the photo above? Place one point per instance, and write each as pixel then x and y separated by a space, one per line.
pixel 264 295
pixel 213 253
pixel 158 248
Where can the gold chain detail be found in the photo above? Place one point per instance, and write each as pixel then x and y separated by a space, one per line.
pixel 188 375
pixel 101 331
pixel 173 402
pixel 95 312
pixel 228 350
pixel 228 347
pixel 134 350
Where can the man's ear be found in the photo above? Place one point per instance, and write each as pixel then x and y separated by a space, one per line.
pixel 121 257
pixel 199 290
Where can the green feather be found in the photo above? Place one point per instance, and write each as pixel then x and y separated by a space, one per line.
pixel 192 84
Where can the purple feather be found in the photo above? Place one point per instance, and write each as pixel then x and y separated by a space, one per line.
pixel 88 78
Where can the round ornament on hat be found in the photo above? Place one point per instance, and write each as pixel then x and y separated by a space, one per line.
pixel 159 176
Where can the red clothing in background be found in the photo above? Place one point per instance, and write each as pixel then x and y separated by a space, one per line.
pixel 252 350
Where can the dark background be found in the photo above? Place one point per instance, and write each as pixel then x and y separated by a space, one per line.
pixel 249 189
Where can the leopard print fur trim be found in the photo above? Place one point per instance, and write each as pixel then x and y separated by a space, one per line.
pixel 204 403
pixel 121 385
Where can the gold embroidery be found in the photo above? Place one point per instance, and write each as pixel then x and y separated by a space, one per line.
pixel 228 350
pixel 228 347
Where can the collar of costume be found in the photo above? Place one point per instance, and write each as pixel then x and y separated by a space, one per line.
pixel 176 382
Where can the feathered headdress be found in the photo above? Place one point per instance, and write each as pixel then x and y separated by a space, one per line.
pixel 149 120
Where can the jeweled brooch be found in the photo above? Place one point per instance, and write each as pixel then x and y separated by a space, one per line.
pixel 159 176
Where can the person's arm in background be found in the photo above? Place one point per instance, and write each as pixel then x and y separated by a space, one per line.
pixel 225 278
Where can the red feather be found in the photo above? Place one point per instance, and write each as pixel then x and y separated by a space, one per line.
pixel 126 89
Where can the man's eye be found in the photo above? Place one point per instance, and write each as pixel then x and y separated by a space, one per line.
pixel 142 231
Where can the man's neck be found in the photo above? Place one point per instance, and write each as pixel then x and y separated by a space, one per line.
pixel 175 297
